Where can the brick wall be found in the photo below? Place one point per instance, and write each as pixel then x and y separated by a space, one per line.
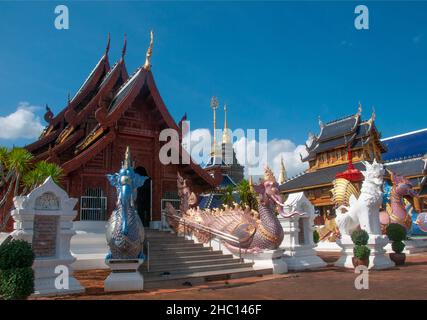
pixel 44 237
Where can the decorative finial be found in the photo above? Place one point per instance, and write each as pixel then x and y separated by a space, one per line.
pixel 124 47
pixel 359 109
pixel 69 98
pixel 269 175
pixel 225 135
pixel 127 162
pixel 147 65
pixel 282 175
pixel 107 48
pixel 214 106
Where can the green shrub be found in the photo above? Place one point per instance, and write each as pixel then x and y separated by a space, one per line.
pixel 316 236
pixel 396 232
pixel 16 254
pixel 398 246
pixel 360 237
pixel 17 283
pixel 361 252
pixel 16 273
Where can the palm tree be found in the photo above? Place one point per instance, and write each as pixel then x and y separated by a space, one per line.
pixel 247 196
pixel 227 195
pixel 17 170
pixel 39 173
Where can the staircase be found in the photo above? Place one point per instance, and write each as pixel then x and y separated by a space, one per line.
pixel 175 261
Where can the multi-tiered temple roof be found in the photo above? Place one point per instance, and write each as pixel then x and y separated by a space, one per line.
pixel 350 130
pixel 90 121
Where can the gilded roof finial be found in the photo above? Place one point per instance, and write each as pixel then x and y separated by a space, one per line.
pixel 107 48
pixel 147 65
pixel 282 175
pixel 127 162
pixel 225 135
pixel 124 47
pixel 214 106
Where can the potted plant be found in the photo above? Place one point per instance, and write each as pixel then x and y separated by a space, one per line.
pixel 361 251
pixel 397 233
pixel 16 273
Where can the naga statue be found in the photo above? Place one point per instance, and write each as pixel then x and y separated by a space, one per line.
pixel 364 211
pixel 254 234
pixel 397 206
pixel 125 231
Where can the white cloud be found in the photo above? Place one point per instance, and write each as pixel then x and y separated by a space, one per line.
pixel 23 123
pixel 247 152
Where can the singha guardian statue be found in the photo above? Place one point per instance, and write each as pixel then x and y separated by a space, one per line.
pixel 125 231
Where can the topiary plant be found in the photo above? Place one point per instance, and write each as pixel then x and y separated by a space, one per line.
pixel 361 252
pixel 396 233
pixel 316 237
pixel 16 273
pixel 360 237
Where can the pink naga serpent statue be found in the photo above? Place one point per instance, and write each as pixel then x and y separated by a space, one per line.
pixel 254 234
pixel 396 208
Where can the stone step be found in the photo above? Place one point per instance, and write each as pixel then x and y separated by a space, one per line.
pixel 170 254
pixel 203 256
pixel 171 240
pixel 197 278
pixel 197 268
pixel 178 265
pixel 174 246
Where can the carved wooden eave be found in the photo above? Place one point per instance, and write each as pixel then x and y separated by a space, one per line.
pixel 107 85
pixel 89 153
pixel 43 141
pixel 101 68
pixel 59 148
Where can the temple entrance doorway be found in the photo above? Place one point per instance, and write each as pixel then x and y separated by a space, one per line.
pixel 144 198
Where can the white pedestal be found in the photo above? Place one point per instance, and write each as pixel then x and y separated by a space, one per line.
pixel 299 256
pixel 303 257
pixel 47 282
pixel 124 276
pixel 268 259
pixel 378 259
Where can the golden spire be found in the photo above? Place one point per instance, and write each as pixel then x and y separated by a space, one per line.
pixel 214 106
pixel 225 135
pixel 147 65
pixel 282 175
pixel 251 184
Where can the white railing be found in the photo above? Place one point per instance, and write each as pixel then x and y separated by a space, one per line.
pixel 93 208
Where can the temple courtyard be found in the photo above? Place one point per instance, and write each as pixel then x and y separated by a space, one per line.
pixel 404 282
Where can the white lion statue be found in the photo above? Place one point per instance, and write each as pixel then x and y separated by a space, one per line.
pixel 364 211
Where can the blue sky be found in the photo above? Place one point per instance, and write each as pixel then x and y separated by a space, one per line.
pixel 277 65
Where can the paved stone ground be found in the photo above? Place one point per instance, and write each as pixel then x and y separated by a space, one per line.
pixel 406 282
